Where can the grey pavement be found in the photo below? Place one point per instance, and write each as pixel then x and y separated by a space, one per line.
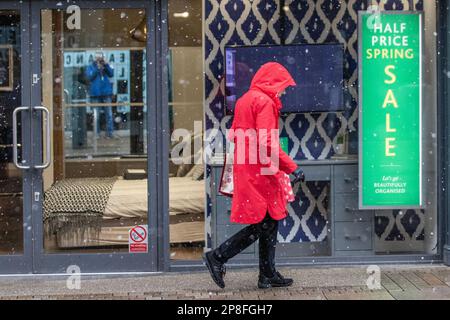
pixel 397 282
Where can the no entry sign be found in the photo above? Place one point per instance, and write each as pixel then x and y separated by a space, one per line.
pixel 138 239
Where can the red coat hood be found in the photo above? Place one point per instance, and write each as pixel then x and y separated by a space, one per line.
pixel 272 78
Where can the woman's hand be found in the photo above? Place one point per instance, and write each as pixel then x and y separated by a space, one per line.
pixel 297 176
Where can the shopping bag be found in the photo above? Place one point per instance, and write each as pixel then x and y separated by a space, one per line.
pixel 287 188
pixel 226 181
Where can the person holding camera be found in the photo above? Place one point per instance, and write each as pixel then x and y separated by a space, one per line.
pixel 99 73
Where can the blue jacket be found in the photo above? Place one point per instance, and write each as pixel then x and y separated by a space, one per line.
pixel 99 80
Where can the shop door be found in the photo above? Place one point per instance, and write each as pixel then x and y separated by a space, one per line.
pixel 94 180
pixel 15 144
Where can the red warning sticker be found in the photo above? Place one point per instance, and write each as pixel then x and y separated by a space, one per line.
pixel 138 239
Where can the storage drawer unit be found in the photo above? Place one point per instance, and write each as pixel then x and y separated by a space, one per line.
pixel 317 173
pixel 346 208
pixel 353 228
pixel 353 236
pixel 223 205
pixel 345 179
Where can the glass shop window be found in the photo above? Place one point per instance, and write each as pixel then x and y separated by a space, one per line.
pixel 320 123
pixel 93 82
pixel 11 186
pixel 186 178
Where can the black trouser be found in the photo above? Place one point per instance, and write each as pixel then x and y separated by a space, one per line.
pixel 266 231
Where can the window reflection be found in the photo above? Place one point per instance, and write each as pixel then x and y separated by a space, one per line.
pixel 93 82
pixel 186 182
pixel 104 94
pixel 11 196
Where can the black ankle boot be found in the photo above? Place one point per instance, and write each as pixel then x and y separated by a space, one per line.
pixel 277 281
pixel 215 267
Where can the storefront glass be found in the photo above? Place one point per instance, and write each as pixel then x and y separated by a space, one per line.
pixel 94 79
pixel 186 168
pixel 11 187
pixel 93 83
pixel 326 219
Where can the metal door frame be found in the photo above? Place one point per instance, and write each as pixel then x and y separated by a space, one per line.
pixel 98 262
pixel 22 263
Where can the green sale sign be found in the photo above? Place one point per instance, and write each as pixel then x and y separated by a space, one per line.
pixel 390 110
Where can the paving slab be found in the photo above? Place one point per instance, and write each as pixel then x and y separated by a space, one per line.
pixel 399 279
pixel 358 295
pixel 438 293
pixel 417 281
pixel 430 278
pixel 389 284
pixel 344 282
pixel 443 275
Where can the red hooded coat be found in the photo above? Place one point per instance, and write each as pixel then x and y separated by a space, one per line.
pixel 254 193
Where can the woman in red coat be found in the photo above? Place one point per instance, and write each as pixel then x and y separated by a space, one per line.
pixel 259 166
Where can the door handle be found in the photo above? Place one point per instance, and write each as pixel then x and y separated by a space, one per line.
pixel 48 153
pixel 353 238
pixel 15 144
